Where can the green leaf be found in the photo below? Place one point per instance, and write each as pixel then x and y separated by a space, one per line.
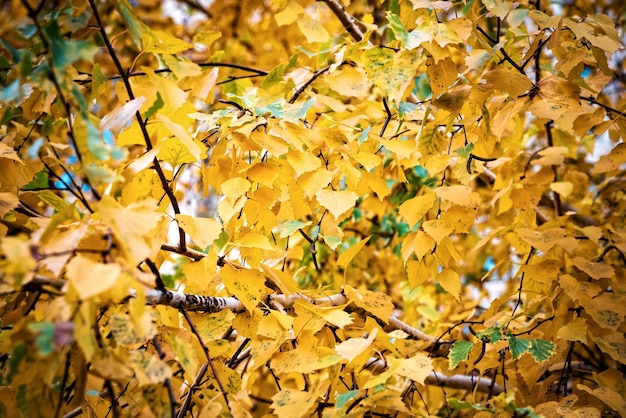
pixel 459 352
pixel 398 29
pixel 65 52
pixel 458 405
pixel 465 151
pixel 541 350
pixel 156 106
pixel 40 181
pixel 343 398
pixel 45 336
pixel 52 199
pixel 518 346
pixel 493 333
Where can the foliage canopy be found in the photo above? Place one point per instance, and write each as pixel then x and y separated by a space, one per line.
pixel 297 207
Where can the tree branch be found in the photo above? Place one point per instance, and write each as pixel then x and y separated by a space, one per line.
pixel 346 20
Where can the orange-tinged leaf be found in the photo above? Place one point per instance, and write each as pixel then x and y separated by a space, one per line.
pixel 8 202
pixel 91 278
pixel 609 396
pixel 595 269
pixel 544 240
pixel 203 231
pixel 346 257
pixel 413 210
pixel 376 303
pixel 442 74
pixel 564 188
pixel 246 284
pixel 451 282
pixel 353 347
pixel 337 202
pixel 576 330
pixel 508 80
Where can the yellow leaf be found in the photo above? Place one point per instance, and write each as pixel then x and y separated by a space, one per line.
pixel 416 368
pixel 451 282
pixel 235 187
pixel 203 86
pixel 442 74
pixel 173 96
pixel 413 210
pixel 346 257
pixel 353 347
pixel 282 279
pixel 264 173
pixel 314 181
pixel 438 229
pixel 246 284
pixel 311 26
pixel 149 368
pixel 337 202
pixel 195 149
pixel 254 240
pixel 595 270
pixel 564 188
pixel 290 403
pixel 545 240
pixel 135 226
pixel 289 14
pixel 91 278
pixel 207 37
pixel 303 161
pixel 459 194
pixel 349 82
pixel 423 244
pixel 391 72
pixel 377 184
pixel 376 303
pixel 203 231
pixel 161 42
pixel 417 273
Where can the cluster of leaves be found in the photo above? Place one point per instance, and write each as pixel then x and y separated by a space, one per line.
pixel 292 207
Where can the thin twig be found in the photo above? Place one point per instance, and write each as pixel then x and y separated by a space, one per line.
pixel 142 125
pixel 208 356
